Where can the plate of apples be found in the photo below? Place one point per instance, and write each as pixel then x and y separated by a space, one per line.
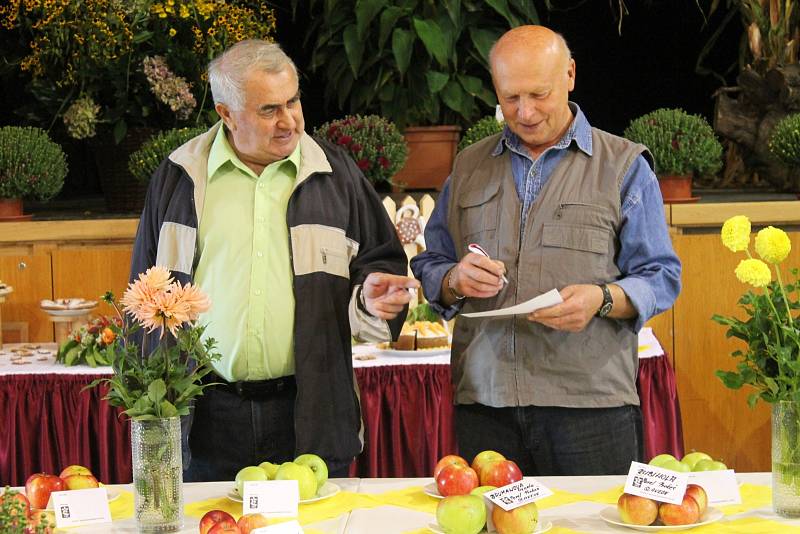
pixel 641 513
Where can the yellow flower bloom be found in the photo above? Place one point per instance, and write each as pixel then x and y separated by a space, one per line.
pixel 772 244
pixel 753 272
pixel 736 233
pixel 172 32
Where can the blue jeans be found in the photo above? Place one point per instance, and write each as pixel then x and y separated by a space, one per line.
pixel 548 441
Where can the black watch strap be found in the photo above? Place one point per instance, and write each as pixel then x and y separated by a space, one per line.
pixel 608 302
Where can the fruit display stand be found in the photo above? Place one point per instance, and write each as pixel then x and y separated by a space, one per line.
pixel 400 506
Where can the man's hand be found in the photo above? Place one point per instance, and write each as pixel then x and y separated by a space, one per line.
pixel 478 276
pixel 386 294
pixel 580 304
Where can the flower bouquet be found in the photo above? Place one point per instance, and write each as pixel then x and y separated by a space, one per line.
pixel 156 382
pixel 87 345
pixel 771 361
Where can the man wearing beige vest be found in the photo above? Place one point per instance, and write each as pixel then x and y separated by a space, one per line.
pixel 556 204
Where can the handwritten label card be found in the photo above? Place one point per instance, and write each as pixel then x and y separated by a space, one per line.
pixel 517 494
pixel 655 483
pixel 273 498
pixel 289 527
pixel 720 486
pixel 81 507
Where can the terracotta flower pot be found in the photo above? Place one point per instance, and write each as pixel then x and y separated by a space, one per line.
pixel 431 150
pixel 676 188
pixel 11 210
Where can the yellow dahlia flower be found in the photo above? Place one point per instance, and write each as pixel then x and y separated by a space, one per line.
pixel 772 244
pixel 736 233
pixel 753 272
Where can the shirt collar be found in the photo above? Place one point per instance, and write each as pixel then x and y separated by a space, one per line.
pixel 222 152
pixel 579 131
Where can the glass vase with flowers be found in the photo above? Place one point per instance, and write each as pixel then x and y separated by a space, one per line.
pixel 770 362
pixel 155 383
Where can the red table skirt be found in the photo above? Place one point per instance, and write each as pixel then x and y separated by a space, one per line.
pixel 47 422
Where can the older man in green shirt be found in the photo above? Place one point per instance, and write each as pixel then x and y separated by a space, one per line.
pixel 297 254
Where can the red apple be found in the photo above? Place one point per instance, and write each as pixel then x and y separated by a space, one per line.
pixel 483 458
pixel 38 488
pixel 636 510
pixel 226 526
pixel 456 479
pixel 447 460
pixel 699 495
pixel 686 513
pixel 213 517
pixel 24 505
pixel 500 473
pixel 74 470
pixel 521 520
pixel 250 522
pixel 74 482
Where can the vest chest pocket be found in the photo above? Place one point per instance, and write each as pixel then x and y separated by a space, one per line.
pixel 478 218
pixel 574 254
pixel 318 248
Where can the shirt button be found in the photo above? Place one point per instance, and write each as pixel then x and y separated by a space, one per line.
pixel 259 254
pixel 258 291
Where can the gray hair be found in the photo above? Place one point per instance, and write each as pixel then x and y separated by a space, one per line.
pixel 228 72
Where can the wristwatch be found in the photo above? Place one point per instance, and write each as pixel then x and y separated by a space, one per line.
pixel 608 302
pixel 451 285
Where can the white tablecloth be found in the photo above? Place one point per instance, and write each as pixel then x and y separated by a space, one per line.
pixel 582 517
pixel 42 361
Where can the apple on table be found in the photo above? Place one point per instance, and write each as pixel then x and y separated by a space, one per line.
pixel 270 469
pixel 693 457
pixel 500 473
pixel 461 514
pixel 520 520
pixel 709 465
pixel 456 479
pixel 698 494
pixel 686 513
pixel 213 517
pixel 74 470
pixel 250 522
pixel 483 458
pixel 251 473
pixel 444 461
pixel 38 488
pixel 317 465
pixel 636 510
pixel 305 477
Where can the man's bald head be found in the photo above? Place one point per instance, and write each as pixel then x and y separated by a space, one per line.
pixel 533 74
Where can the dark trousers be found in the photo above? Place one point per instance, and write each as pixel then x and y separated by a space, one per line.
pixel 230 432
pixel 546 441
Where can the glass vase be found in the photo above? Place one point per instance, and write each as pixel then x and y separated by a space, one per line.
pixel 157 474
pixel 786 458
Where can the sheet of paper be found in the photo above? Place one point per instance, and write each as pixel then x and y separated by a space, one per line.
pixel 721 486
pixel 81 507
pixel 544 300
pixel 517 494
pixel 273 498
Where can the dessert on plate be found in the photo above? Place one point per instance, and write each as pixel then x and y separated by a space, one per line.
pixel 423 329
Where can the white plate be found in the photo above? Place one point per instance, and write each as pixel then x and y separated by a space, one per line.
pixel 611 516
pixel 541 528
pixel 69 313
pixel 433 490
pixel 329 489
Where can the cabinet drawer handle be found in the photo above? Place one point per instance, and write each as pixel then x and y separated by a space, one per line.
pixel 22 266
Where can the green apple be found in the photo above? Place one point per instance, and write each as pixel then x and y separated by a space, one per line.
pixel 461 514
pixel 246 474
pixel 659 460
pixel 709 465
pixel 693 457
pixel 480 490
pixel 270 469
pixel 317 465
pixel 306 480
pixel 675 465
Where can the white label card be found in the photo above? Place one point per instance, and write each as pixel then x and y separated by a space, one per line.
pixel 517 494
pixel 81 507
pixel 663 485
pixel 720 486
pixel 273 498
pixel 289 527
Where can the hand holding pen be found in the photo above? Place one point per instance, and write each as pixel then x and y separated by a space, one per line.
pixel 477 275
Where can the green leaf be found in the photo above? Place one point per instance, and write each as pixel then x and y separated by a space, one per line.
pixel 771 384
pixel 436 80
pixel 72 355
pixel 433 38
pixel 388 20
pixel 471 84
pixel 120 129
pixel 366 11
pixel 454 97
pixel 453 8
pixel 402 41
pixel 501 6
pixel 527 11
pixel 168 409
pixel 752 399
pixel 156 390
pixel 483 40
pixel 730 379
pixel 354 48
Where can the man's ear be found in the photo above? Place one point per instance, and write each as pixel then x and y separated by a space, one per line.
pixel 571 75
pixel 225 115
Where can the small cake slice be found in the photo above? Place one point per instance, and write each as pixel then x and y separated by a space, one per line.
pixel 407 338
pixel 430 335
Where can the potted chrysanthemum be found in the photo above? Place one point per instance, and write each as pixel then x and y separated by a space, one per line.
pixel 771 361
pixel 156 386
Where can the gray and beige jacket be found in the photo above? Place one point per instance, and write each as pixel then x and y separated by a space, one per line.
pixel 339 233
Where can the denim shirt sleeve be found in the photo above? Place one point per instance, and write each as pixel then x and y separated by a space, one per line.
pixel 431 266
pixel 651 271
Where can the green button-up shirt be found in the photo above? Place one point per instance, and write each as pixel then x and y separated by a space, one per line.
pixel 245 265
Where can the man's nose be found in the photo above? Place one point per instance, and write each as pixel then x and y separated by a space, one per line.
pixel 527 109
pixel 286 118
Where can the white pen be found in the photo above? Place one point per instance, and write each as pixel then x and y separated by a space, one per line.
pixel 477 249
